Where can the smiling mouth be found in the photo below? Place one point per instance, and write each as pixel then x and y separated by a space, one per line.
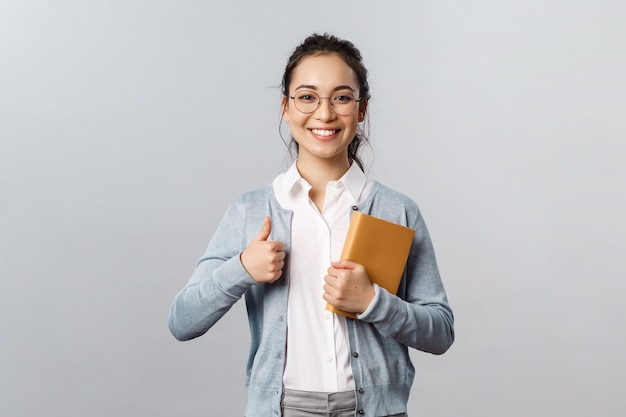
pixel 324 132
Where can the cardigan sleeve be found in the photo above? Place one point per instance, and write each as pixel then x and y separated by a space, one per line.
pixel 219 280
pixel 419 316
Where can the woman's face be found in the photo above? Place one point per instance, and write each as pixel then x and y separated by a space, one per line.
pixel 323 134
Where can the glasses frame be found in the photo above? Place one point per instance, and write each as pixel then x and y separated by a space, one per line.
pixel 319 103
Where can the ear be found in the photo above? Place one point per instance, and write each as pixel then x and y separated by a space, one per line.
pixel 283 104
pixel 362 109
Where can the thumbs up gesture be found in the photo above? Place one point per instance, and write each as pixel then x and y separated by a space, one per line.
pixel 264 259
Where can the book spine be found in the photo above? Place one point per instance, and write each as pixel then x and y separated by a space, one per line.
pixel 346 252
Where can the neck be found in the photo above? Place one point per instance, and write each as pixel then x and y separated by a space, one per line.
pixel 318 174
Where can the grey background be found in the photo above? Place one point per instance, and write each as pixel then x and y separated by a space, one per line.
pixel 126 127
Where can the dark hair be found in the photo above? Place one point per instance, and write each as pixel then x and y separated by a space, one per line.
pixel 328 44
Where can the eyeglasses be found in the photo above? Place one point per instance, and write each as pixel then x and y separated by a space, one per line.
pixel 309 101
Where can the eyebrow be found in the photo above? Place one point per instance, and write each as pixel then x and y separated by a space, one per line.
pixel 314 88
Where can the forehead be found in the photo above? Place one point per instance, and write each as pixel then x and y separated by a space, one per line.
pixel 324 72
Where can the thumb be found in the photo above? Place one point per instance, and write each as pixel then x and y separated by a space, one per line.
pixel 265 230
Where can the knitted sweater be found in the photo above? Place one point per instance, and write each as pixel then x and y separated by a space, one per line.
pixel 418 316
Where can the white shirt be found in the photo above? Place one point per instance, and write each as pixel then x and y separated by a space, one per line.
pixel 318 349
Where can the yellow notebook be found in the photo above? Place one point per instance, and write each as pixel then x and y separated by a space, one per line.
pixel 382 247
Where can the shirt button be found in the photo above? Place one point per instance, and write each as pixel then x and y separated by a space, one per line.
pixel 361 390
pixel 328 316
pixel 329 359
pixel 361 412
pixel 355 354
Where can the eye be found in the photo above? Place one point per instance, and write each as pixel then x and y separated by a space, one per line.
pixel 343 98
pixel 307 97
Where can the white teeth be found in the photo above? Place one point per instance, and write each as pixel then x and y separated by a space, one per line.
pixel 320 132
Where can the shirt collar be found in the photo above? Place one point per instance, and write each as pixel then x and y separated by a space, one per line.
pixel 291 178
pixel 353 180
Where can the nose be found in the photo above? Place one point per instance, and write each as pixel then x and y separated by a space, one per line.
pixel 325 109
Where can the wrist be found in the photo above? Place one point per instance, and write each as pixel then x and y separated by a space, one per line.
pixel 372 301
pixel 371 294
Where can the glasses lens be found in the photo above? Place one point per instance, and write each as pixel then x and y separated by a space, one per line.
pixel 343 104
pixel 306 101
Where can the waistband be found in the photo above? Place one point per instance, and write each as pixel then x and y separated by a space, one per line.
pixel 319 401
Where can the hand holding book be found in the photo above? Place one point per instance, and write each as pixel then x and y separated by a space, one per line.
pixel 381 247
pixel 348 286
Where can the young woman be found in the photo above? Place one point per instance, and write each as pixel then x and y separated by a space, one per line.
pixel 279 246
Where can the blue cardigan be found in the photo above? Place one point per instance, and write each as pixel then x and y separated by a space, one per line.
pixel 419 316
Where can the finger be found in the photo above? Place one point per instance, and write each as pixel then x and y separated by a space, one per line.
pixel 265 230
pixel 344 264
pixel 278 246
pixel 273 255
pixel 337 273
pixel 330 293
pixel 330 280
pixel 277 275
pixel 334 272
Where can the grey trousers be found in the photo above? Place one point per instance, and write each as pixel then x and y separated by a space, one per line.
pixel 319 404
